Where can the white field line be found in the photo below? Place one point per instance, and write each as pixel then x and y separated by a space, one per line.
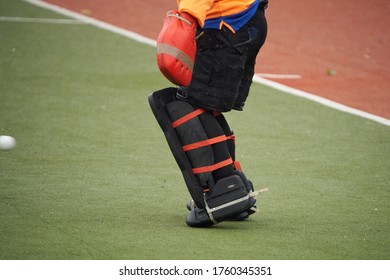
pixel 94 22
pixel 257 79
pixel 321 100
pixel 42 20
pixel 279 76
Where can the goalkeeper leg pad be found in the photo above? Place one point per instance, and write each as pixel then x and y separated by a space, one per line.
pixel 165 106
pixel 193 152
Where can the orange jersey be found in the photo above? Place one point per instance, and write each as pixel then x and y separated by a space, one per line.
pixel 209 9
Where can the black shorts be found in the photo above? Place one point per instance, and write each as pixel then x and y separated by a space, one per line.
pixel 224 65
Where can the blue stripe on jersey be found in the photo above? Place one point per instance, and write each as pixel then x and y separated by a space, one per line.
pixel 236 21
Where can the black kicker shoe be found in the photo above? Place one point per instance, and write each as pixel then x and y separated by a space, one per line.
pixel 239 217
pixel 198 218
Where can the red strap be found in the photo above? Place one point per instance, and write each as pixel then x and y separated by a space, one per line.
pixel 204 143
pixel 237 165
pixel 231 137
pixel 187 117
pixel 212 167
pixel 207 142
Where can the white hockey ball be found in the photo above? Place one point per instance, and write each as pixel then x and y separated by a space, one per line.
pixel 7 142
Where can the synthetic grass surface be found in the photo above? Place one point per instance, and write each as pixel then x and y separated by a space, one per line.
pixel 92 176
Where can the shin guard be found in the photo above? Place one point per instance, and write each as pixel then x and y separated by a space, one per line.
pixel 159 102
pixel 218 189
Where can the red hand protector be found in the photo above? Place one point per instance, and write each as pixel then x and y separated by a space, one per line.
pixel 176 47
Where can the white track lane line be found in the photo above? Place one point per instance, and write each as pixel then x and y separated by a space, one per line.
pixel 257 79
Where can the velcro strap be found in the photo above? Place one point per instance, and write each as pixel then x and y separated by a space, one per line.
pixel 188 117
pixel 231 137
pixel 237 165
pixel 204 143
pixel 212 167
pixel 207 142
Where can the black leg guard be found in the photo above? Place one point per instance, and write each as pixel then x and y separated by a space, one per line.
pixel 158 102
pixel 199 144
pixel 229 133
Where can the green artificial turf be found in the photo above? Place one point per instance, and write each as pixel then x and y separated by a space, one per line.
pixel 93 178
